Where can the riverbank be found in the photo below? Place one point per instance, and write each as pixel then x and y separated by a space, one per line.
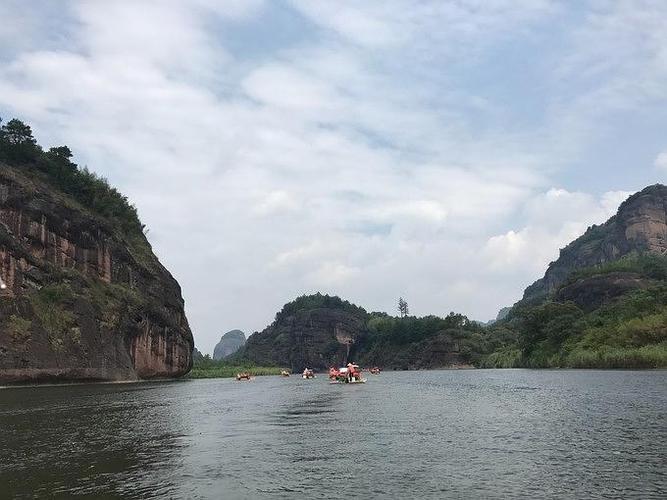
pixel 647 357
pixel 229 371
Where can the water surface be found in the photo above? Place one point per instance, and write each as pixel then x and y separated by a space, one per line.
pixel 438 434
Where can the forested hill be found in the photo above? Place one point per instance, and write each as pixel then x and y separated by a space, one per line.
pixel 603 303
pixel 640 226
pixel 86 298
pixel 319 331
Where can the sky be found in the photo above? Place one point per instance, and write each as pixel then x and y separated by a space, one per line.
pixel 440 151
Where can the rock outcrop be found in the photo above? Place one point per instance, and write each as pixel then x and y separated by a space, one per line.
pixel 84 300
pixel 640 226
pixel 592 292
pixel 317 337
pixel 197 356
pixel 229 343
pixel 442 350
pixel 319 331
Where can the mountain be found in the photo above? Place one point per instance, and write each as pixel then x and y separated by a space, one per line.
pixel 197 356
pixel 603 302
pixel 640 226
pixel 85 297
pixel 229 343
pixel 313 331
pixel 318 331
pixel 502 314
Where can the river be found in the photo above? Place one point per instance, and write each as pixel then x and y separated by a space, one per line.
pixel 434 434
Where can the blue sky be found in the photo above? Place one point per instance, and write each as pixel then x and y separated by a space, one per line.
pixel 441 151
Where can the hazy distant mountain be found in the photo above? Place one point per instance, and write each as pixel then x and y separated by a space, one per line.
pixel 197 356
pixel 229 343
pixel 502 314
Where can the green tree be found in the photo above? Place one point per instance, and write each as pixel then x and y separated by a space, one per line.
pixel 17 143
pixel 16 132
pixel 60 152
pixel 403 308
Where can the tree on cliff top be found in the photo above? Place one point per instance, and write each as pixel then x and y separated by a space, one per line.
pixel 317 301
pixel 18 147
pixel 403 308
pixel 17 142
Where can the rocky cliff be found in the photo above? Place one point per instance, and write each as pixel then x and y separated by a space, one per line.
pixel 640 226
pixel 197 356
pixel 85 300
pixel 229 343
pixel 319 331
pixel 313 331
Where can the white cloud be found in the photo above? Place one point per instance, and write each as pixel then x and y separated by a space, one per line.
pixel 276 202
pixel 555 218
pixel 369 157
pixel 332 274
pixel 399 22
pixel 661 161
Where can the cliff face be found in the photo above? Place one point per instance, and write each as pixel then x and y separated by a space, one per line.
pixel 640 226
pixel 593 292
pixel 319 331
pixel 439 351
pixel 83 300
pixel 314 338
pixel 229 343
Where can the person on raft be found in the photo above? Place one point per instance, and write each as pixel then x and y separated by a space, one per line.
pixel 351 372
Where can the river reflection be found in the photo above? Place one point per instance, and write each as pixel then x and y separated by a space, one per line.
pixel 460 434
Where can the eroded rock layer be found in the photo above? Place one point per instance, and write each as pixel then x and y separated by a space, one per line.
pixel 316 338
pixel 84 299
pixel 640 226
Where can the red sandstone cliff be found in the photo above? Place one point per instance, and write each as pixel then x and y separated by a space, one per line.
pixel 640 226
pixel 84 300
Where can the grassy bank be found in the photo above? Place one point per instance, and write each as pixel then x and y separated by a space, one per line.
pixel 219 369
pixel 632 358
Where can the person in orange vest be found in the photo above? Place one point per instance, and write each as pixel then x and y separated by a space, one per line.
pixel 351 373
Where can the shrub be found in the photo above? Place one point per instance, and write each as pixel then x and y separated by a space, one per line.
pixel 507 358
pixel 18 147
pixel 651 356
pixel 19 329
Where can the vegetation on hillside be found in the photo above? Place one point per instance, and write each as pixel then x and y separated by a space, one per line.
pixel 646 265
pixel 19 148
pixel 406 329
pixel 316 301
pixel 627 332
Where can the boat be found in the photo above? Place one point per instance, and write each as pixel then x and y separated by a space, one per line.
pixel 284 373
pixel 350 374
pixel 243 376
pixel 375 370
pixel 308 373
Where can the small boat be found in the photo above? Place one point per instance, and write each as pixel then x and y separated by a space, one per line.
pixel 308 373
pixel 243 376
pixel 350 374
pixel 375 370
pixel 284 373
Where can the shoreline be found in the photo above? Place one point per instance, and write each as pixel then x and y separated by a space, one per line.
pixel 187 377
pixel 70 383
